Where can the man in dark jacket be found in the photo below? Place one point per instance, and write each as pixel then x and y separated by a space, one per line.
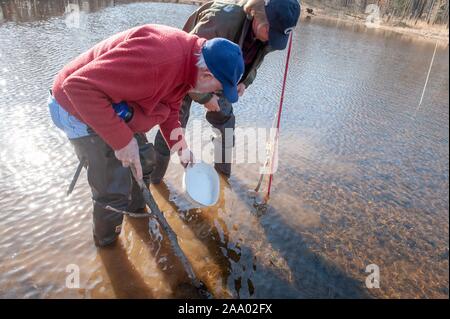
pixel 258 27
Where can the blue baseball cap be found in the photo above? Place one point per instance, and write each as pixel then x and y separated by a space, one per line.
pixel 283 16
pixel 224 60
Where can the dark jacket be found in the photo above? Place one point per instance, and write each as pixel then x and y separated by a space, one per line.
pixel 220 19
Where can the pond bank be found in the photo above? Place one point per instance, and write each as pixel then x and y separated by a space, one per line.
pixel 420 30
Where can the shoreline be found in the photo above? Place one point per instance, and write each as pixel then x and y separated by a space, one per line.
pixel 423 31
pixel 12 11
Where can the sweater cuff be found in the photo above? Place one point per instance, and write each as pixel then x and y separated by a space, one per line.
pixel 118 139
pixel 201 98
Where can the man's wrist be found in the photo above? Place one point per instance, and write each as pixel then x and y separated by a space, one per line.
pixel 183 146
pixel 205 98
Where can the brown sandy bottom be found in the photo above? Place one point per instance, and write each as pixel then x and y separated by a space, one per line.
pixel 363 176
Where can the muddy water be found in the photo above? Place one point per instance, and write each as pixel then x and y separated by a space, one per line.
pixel 363 175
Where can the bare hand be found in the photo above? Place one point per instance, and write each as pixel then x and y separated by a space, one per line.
pixel 129 156
pixel 186 157
pixel 241 89
pixel 213 104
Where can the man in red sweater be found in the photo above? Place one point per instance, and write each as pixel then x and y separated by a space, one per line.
pixel 122 87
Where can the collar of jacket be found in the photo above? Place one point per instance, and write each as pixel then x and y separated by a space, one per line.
pixel 245 28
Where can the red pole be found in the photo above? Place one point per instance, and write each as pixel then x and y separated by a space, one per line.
pixel 280 109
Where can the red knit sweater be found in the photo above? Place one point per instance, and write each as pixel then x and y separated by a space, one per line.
pixel 151 67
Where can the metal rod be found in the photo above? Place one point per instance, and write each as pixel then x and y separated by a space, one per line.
pixel 428 76
pixel 151 203
pixel 280 109
pixel 134 215
pixel 75 177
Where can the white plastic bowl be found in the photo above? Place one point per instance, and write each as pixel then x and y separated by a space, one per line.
pixel 201 184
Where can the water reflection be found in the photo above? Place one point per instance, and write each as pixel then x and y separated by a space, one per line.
pixel 362 178
pixel 204 232
pixel 126 282
pixel 374 33
pixel 32 10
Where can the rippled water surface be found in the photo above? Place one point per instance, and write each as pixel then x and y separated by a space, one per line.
pixel 363 176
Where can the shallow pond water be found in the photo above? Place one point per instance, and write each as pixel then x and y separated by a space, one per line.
pixel 363 172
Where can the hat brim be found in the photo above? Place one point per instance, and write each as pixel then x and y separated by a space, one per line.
pixel 230 92
pixel 278 40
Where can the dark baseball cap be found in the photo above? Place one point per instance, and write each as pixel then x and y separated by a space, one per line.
pixel 224 60
pixel 283 16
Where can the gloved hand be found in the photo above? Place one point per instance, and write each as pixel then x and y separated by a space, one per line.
pixel 129 156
